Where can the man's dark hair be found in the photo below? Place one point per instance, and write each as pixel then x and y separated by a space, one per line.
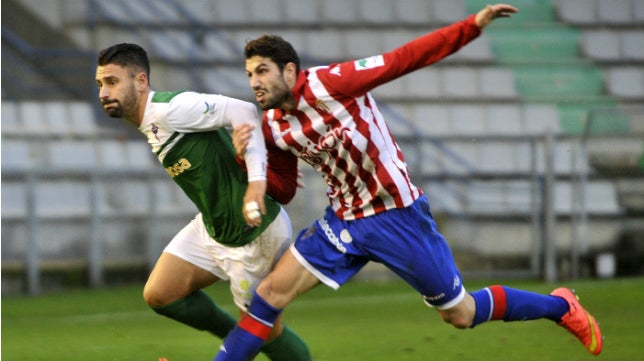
pixel 275 48
pixel 125 55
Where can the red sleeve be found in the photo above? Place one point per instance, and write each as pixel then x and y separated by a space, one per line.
pixel 282 175
pixel 354 78
pixel 281 170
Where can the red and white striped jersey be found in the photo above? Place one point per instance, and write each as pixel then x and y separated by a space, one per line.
pixel 338 129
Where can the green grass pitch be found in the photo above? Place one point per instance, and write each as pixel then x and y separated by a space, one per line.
pixel 362 321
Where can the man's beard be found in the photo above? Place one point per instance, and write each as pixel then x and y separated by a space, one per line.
pixel 281 96
pixel 114 111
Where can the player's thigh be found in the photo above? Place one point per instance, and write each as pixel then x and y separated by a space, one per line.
pixel 185 266
pixel 173 278
pixel 287 280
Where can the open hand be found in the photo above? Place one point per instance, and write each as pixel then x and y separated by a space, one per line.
pixel 486 16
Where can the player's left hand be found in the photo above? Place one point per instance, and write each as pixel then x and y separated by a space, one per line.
pixel 254 206
pixel 241 137
pixel 486 16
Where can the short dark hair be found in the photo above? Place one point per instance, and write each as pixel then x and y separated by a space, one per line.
pixel 125 55
pixel 275 48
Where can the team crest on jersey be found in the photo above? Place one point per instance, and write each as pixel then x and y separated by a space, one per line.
pixel 210 108
pixel 155 131
pixel 321 105
pixel 369 63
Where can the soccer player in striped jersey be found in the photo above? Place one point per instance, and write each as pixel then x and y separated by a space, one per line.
pixel 326 116
pixel 239 232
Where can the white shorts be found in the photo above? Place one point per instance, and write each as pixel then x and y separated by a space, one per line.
pixel 243 266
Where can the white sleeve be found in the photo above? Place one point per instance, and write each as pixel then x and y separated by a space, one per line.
pixel 241 112
pixel 195 112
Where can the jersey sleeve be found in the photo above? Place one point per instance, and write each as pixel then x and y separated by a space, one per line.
pixel 281 170
pixel 354 78
pixel 197 112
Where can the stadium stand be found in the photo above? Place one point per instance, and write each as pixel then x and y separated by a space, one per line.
pixel 472 126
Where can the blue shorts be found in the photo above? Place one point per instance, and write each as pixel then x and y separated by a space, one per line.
pixel 406 240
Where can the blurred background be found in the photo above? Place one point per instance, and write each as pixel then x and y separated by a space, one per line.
pixel 529 141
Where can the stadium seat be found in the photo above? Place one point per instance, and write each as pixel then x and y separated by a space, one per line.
pixel 82 120
pixel 614 12
pixel 497 157
pixel 57 118
pixel 339 11
pixel 32 118
pixel 361 44
pixel 17 154
pixel 391 90
pixel 432 119
pixel 425 83
pixel 579 12
pixel 461 82
pixel 301 11
pixel 504 119
pixel 448 11
pixel 72 154
pixel 467 119
pixel 601 197
pixel 265 11
pixel 479 50
pixel 10 120
pixel 632 45
pixel 14 199
pixel 63 198
pixel 497 83
pixel 602 45
pixel 202 11
pixel 328 46
pixel 413 12
pixel 626 82
pixel 231 12
pixel 638 12
pixel 377 11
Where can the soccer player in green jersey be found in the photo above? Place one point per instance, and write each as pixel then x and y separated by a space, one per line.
pixel 240 231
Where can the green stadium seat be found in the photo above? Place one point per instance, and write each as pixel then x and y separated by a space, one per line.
pixel 557 82
pixel 552 44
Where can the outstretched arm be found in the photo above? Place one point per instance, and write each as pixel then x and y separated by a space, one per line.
pixel 354 78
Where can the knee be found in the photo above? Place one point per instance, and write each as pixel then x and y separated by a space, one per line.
pixel 456 320
pixel 462 315
pixel 154 297
pixel 275 297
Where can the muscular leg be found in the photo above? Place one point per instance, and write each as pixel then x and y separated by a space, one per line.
pixel 174 290
pixel 288 280
pixel 174 278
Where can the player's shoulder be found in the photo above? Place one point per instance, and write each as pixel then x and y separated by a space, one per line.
pixel 166 96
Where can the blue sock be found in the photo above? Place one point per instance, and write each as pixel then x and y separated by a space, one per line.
pixel 248 336
pixel 509 304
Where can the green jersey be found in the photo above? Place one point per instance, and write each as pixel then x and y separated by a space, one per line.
pixel 187 133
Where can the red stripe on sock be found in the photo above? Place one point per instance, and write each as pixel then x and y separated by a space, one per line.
pixel 498 296
pixel 254 327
